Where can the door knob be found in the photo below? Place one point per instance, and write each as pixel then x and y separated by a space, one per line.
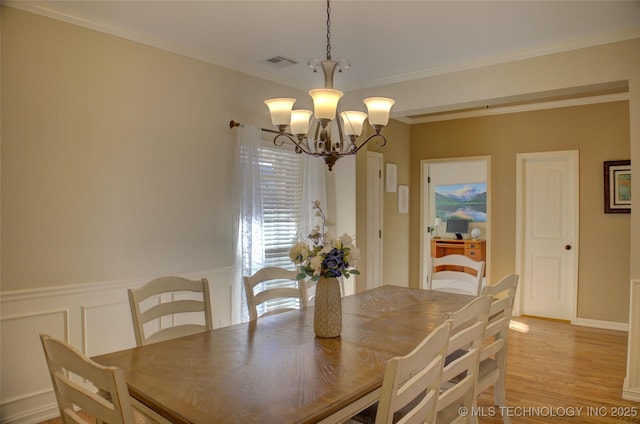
pixel 567 247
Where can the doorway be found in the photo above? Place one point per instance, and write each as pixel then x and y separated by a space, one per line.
pixel 547 212
pixel 374 219
pixel 447 172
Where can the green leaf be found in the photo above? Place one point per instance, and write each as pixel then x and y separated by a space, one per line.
pixel 301 276
pixel 355 271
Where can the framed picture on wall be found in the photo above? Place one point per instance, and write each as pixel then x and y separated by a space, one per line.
pixel 403 199
pixel 617 186
pixel 391 173
pixel 462 201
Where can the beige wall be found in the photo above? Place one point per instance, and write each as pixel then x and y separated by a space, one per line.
pixel 395 268
pixel 600 132
pixel 602 64
pixel 116 157
pixel 396 225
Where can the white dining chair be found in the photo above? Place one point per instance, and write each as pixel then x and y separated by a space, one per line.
pixel 460 373
pixel 493 357
pixel 411 383
pixel 72 375
pixel 170 307
pixel 273 290
pixel 457 274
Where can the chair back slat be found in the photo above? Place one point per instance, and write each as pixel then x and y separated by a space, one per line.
pixel 493 358
pixel 465 343
pixel 169 311
pixel 412 382
pixel 465 277
pixel 259 280
pixel 68 369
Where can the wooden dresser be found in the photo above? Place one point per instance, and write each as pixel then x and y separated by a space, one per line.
pixel 474 249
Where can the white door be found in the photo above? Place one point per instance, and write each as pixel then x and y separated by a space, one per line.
pixel 549 233
pixel 374 219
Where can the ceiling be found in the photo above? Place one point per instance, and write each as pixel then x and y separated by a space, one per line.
pixel 385 41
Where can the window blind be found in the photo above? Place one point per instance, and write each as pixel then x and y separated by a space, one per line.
pixel 281 174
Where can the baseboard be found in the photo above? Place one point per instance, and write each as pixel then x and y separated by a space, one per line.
pixel 630 393
pixel 606 325
pixel 34 416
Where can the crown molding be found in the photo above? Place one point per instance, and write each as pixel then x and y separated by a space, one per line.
pixel 574 44
pixel 528 107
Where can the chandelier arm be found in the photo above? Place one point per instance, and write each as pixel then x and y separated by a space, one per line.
pixel 339 146
pixel 380 143
pixel 316 138
pixel 278 141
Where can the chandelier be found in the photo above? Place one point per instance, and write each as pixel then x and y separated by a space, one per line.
pixel 325 105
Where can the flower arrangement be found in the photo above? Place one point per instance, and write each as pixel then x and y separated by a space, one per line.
pixel 324 256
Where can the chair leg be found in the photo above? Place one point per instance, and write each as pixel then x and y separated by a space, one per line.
pixel 500 399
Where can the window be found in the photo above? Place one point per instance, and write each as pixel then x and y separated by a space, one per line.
pixel 281 175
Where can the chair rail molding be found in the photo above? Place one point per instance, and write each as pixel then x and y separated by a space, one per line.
pixel 94 317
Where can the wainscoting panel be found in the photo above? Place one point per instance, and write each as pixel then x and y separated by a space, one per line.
pixel 25 379
pixel 106 328
pixel 94 317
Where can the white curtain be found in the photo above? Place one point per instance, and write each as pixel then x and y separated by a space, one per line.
pixel 248 212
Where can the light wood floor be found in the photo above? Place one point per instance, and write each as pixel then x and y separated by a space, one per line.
pixel 557 367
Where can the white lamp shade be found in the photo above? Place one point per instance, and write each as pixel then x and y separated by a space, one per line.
pixel 280 109
pixel 378 108
pixel 325 102
pixel 352 122
pixel 300 121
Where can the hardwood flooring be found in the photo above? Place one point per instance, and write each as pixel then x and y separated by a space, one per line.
pixel 558 369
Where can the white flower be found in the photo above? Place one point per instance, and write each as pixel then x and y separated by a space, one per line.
pixel 347 240
pixel 354 254
pixel 324 255
pixel 316 264
pixel 326 248
pixel 299 252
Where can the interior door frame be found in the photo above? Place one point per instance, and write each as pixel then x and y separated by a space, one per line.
pixel 425 242
pixel 521 159
pixel 379 157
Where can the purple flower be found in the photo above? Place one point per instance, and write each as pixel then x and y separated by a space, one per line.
pixel 334 263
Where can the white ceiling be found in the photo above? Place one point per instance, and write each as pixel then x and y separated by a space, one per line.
pixel 385 41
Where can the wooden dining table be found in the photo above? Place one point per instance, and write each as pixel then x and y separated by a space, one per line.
pixel 274 370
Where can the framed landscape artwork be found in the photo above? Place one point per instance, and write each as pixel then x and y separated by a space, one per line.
pixel 617 186
pixel 462 201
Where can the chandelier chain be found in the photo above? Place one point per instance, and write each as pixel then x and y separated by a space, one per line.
pixel 328 30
